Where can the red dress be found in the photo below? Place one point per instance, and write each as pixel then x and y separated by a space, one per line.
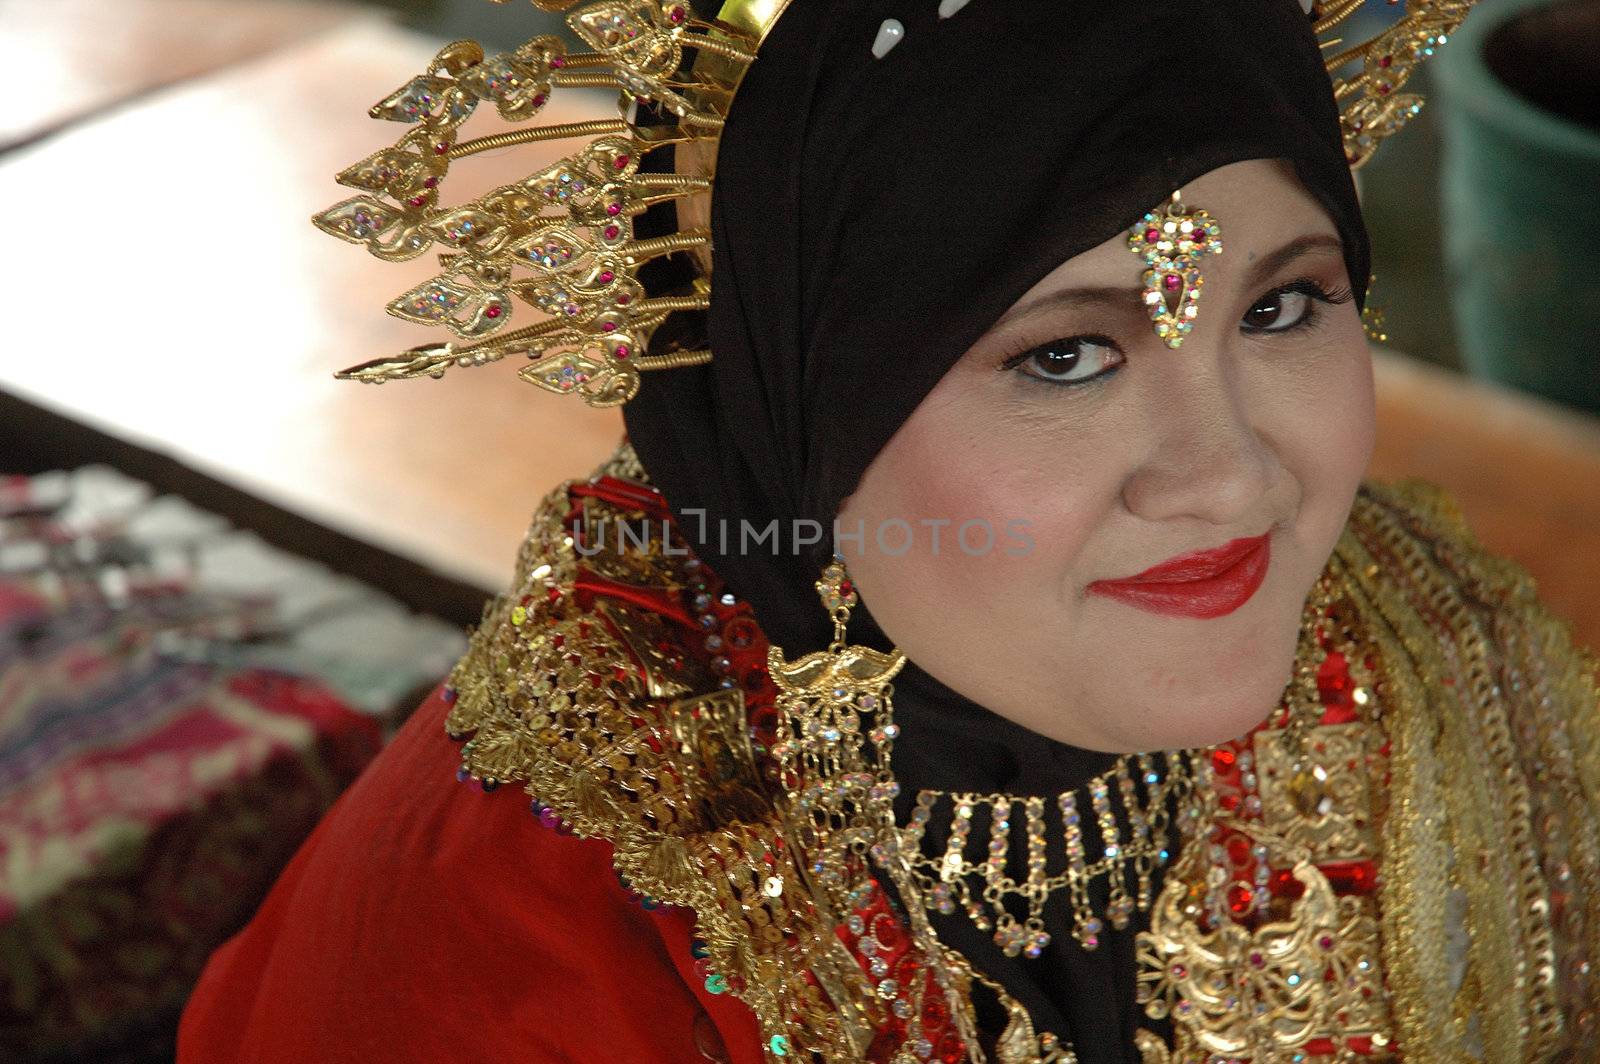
pixel 426 921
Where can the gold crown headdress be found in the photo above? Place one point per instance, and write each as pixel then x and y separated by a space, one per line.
pixel 562 240
pixel 1368 77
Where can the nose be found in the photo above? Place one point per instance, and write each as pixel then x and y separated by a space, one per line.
pixel 1208 461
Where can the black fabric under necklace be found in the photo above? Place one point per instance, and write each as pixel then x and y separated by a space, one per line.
pixel 1084 996
pixel 871 219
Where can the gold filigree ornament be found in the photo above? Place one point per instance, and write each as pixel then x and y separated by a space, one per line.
pixel 561 242
pixel 1262 994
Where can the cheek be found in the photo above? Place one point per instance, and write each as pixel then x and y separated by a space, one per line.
pixel 1323 428
pixel 998 506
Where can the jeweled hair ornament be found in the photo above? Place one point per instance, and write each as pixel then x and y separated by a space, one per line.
pixel 1172 241
pixel 561 243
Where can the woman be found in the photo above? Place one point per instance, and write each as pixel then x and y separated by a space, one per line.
pixel 1181 743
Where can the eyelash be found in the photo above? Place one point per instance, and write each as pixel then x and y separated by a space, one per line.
pixel 1319 294
pixel 1312 288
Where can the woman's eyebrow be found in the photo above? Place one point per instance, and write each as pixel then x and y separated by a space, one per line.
pixel 1263 268
pixel 1110 297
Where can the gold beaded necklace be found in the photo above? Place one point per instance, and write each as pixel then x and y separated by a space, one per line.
pixel 1130 806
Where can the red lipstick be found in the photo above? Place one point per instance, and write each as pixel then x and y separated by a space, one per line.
pixel 1203 583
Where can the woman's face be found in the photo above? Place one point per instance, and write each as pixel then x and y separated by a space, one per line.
pixel 1094 452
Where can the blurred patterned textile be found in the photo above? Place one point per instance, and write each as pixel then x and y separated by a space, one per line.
pixel 164 749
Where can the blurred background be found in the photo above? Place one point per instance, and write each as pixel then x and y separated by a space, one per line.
pixel 224 576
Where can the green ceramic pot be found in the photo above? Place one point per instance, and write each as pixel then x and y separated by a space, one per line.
pixel 1519 89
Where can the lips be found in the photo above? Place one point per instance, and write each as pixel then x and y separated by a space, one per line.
pixel 1202 584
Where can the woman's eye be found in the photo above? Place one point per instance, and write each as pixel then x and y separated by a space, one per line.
pixel 1072 361
pixel 1279 311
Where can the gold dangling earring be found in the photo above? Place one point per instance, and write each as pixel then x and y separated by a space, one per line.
pixel 827 700
pixel 835 730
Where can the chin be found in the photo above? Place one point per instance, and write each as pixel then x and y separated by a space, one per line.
pixel 1249 702
pixel 1198 727
pixel 1222 724
pixel 1203 718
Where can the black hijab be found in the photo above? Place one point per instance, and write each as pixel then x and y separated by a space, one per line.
pixel 871 219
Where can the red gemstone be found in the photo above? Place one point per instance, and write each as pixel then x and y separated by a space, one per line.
pixel 606 276
pixel 887 932
pixel 1199 236
pixel 1285 885
pixel 538 101
pixel 417 201
pixel 1222 760
pixel 556 62
pixel 1385 61
pixel 1239 849
pixel 1152 235
pixel 431 182
pixel 612 232
pixel 846 589
pixel 622 351
pixel 676 15
pixel 624 300
pixel 620 162
pixel 613 209
pixel 492 312
pixel 1230 802
pixel 1172 282
pixel 1240 899
pixel 1355 878
pixel 440 148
